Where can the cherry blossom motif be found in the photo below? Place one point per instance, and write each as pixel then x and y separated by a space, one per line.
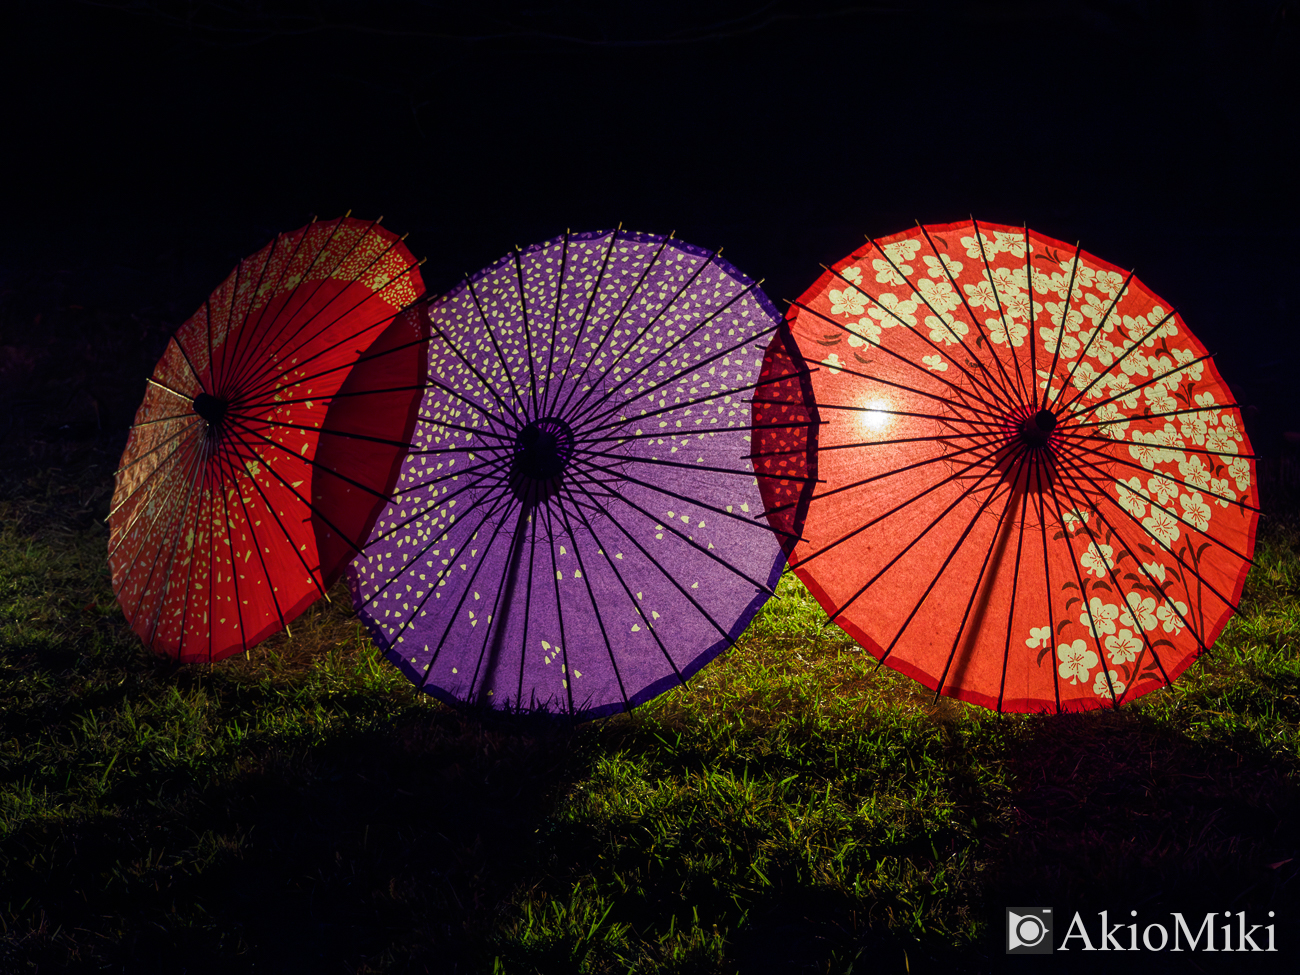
pixel 1162 526
pixel 973 246
pixel 1144 450
pixel 1084 376
pixel 1230 428
pixel 939 295
pixel 1054 393
pixel 1169 440
pixel 1162 489
pixel 1108 690
pixel 1171 616
pixel 998 331
pixel 1159 401
pixel 1164 372
pixel 889 310
pixel 1069 344
pixel 1223 494
pixel 1123 647
pixel 1073 318
pixel 1077 661
pixel 832 362
pixel 1131 496
pixel 864 332
pixel 1140 612
pixel 942 266
pixel 1156 570
pixel 902 250
pixel 1039 636
pixel 934 363
pixel 1193 370
pixel 981 295
pixel 1013 244
pixel 847 302
pixel 1166 327
pixel 886 274
pixel 1019 305
pixel 1220 441
pixel 1194 472
pixel 1084 276
pixel 1008 280
pixel 1109 283
pixel 852 274
pixel 1240 470
pixel 1112 423
pixel 1194 426
pixel 1074 519
pixel 1195 510
pixel 949 330
pixel 1098 312
pixel 1120 386
pixel 1099 618
pixel 1098 559
pixel 1134 363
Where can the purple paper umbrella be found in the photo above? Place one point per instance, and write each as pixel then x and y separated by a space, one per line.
pixel 575 527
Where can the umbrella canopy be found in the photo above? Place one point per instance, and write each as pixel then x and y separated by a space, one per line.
pixel 214 530
pixel 574 527
pixel 1038 493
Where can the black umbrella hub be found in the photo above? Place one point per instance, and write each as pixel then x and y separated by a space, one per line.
pixel 211 408
pixel 543 449
pixel 1036 430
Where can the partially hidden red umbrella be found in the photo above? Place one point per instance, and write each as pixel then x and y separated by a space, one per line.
pixel 1036 490
pixel 270 434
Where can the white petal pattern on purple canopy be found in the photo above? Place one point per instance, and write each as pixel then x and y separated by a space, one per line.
pixel 575 526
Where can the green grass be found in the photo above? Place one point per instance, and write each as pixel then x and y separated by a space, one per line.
pixel 793 809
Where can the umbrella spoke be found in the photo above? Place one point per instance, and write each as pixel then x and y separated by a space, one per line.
pixel 907 389
pixel 1108 367
pixel 528 332
pixel 491 334
pixel 1015 587
pixel 1083 353
pixel 1040 469
pixel 195 477
pixel 1065 320
pixel 154 488
pixel 494 473
pixel 567 670
pixel 555 322
pixel 997 298
pixel 573 384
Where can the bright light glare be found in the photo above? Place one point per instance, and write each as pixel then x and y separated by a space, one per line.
pixel 873 419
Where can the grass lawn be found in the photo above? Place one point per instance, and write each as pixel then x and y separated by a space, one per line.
pixel 793 810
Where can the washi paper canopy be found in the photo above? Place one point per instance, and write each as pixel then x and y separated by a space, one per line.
pixel 574 529
pixel 1037 493
pixel 271 430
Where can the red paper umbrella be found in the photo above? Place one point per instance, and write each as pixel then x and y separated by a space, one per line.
pixel 270 433
pixel 1036 493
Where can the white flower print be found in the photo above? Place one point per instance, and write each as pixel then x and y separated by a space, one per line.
pixel 1008 280
pixel 1084 374
pixel 1114 423
pixel 1140 612
pixel 1164 371
pixel 1103 350
pixel 1039 636
pixel 902 250
pixel 950 330
pixel 1076 661
pixel 1108 690
pixel 1193 426
pixel 889 310
pixel 1124 646
pixel 1144 450
pixel 1193 371
pixel 1195 510
pixel 1159 400
pixel 980 295
pixel 1134 363
pixel 1131 496
pixel 1109 283
pixel 1083 275
pixel 1230 428
pixel 1156 570
pixel 847 302
pixel 939 295
pixel 1099 618
pixel 1163 489
pixel 1194 472
pixel 1171 616
pixel 1074 519
pixel 972 245
pixel 1168 439
pixel 1168 329
pixel 942 266
pixel 1069 344
pixel 886 274
pixel 1098 312
pixel 1223 495
pixel 1240 471
pixel 853 274
pixel 864 332
pixel 832 362
pixel 1139 330
pixel 1220 442
pixel 1098 559
pixel 1121 386
pixel 1162 526
pixel 1018 305
pixel 1073 319
pixel 998 331
pixel 934 363
pixel 1053 394
pixel 1013 244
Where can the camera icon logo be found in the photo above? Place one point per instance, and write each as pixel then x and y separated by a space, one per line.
pixel 1029 930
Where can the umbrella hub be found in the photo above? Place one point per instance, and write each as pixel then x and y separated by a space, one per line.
pixel 211 408
pixel 1036 430
pixel 542 452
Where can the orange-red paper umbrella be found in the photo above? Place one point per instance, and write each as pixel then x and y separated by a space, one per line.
pixel 1035 489
pixel 270 433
